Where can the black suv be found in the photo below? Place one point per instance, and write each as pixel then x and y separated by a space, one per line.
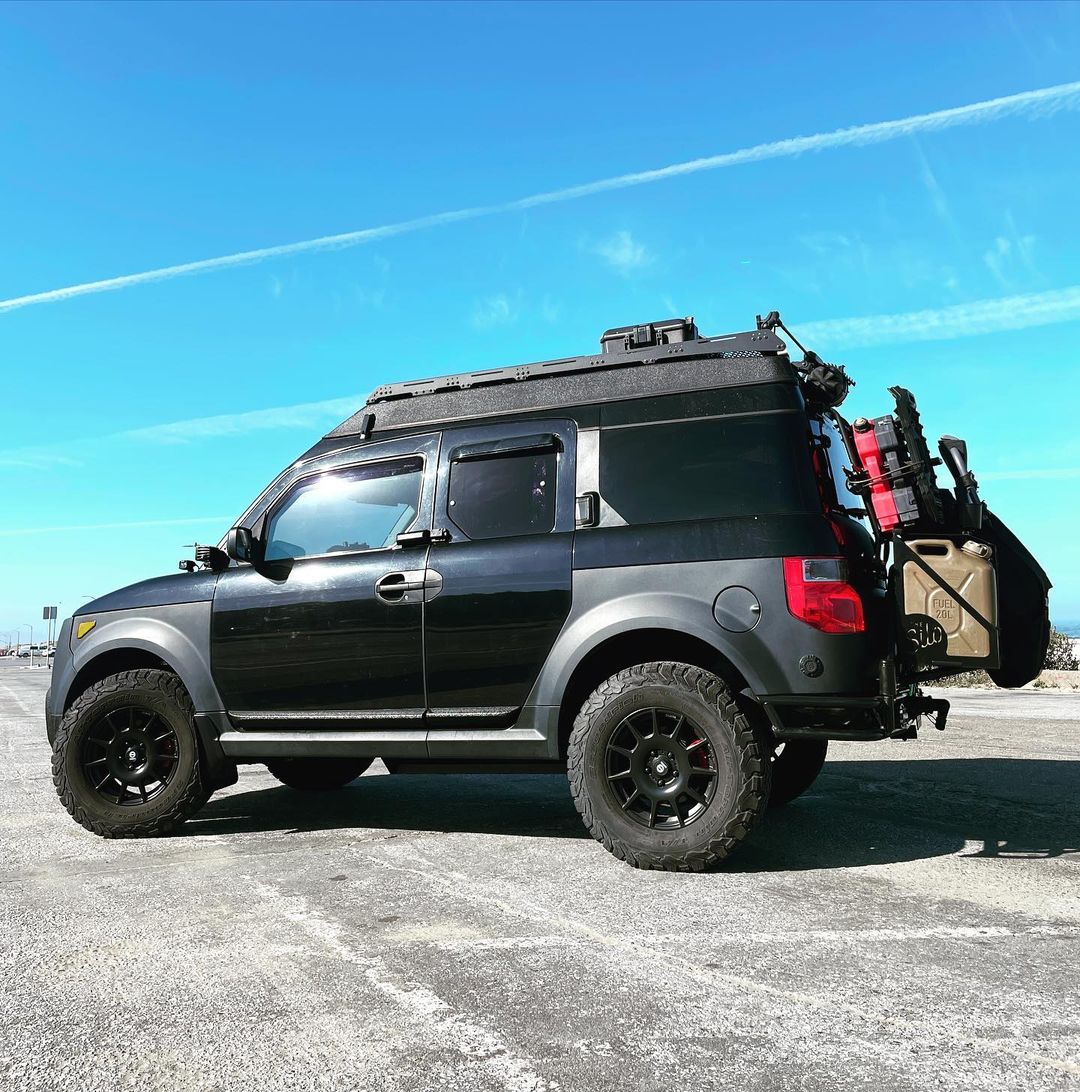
pixel 671 570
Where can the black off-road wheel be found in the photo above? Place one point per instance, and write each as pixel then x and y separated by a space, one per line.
pixel 317 774
pixel 795 766
pixel 664 769
pixel 126 756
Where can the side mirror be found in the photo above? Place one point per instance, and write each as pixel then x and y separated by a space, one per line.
pixel 239 544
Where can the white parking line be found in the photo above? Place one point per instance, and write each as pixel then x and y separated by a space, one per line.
pixel 464 887
pixel 469 1039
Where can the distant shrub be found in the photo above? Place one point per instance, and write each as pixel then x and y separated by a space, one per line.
pixel 965 678
pixel 1060 655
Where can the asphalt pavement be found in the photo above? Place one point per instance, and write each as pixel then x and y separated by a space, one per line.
pixel 911 923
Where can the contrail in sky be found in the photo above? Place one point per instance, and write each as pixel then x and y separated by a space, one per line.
pixel 1029 104
pixel 943 323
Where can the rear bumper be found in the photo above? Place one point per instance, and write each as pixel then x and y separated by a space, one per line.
pixel 828 716
pixel 885 715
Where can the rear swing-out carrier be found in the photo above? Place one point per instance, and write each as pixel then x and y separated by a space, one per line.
pixel 966 593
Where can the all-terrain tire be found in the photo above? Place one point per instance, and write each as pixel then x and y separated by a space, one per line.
pixel 145 690
pixel 740 745
pixel 795 766
pixel 317 774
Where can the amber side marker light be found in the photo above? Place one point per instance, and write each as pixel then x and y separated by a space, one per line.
pixel 83 628
pixel 818 593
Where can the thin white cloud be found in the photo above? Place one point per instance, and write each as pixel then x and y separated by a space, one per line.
pixel 932 186
pixel 622 252
pixel 995 258
pixel 1028 104
pixel 36 459
pixel 494 311
pixel 189 522
pixel 550 310
pixel 301 415
pixel 1011 252
pixel 826 244
pixel 944 323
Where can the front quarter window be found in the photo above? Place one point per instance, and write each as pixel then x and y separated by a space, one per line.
pixel 346 511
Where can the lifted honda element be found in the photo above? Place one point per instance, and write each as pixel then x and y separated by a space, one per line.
pixel 670 570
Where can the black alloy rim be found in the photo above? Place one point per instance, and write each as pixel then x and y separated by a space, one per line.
pixel 661 768
pixel 130 756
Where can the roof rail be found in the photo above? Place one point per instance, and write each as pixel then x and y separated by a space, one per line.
pixel 623 347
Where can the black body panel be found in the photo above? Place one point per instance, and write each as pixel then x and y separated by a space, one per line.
pixel 301 642
pixel 159 591
pixel 726 402
pixel 312 635
pixel 504 599
pixel 705 540
pixel 490 629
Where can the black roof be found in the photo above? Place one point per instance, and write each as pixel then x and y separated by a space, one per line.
pixel 637 361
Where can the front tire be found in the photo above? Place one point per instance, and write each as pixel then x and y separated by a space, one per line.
pixel 317 774
pixel 664 769
pixel 126 757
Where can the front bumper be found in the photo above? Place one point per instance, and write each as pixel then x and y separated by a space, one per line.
pixel 52 720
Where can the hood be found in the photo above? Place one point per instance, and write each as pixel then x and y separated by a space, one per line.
pixel 159 591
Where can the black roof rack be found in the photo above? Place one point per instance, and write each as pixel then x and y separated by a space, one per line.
pixel 623 347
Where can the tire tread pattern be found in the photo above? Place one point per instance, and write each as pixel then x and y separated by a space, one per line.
pixel 187 803
pixel 751 745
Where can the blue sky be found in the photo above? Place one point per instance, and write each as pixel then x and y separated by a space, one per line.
pixel 941 255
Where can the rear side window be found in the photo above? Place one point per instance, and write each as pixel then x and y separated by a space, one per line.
pixel 826 431
pixel 708 469
pixel 502 496
pixel 344 511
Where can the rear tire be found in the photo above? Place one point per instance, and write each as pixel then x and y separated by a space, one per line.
pixel 317 774
pixel 126 756
pixel 795 766
pixel 664 769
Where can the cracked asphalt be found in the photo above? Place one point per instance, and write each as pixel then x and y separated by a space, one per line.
pixel 913 922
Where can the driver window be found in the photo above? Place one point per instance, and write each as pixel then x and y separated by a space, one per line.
pixel 344 511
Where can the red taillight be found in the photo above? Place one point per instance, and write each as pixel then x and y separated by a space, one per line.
pixel 819 595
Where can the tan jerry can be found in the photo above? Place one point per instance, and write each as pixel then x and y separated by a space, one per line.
pixel 966 568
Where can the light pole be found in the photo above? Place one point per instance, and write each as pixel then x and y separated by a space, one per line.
pixel 31 629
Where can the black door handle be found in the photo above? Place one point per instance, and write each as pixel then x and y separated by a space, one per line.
pixel 395 587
